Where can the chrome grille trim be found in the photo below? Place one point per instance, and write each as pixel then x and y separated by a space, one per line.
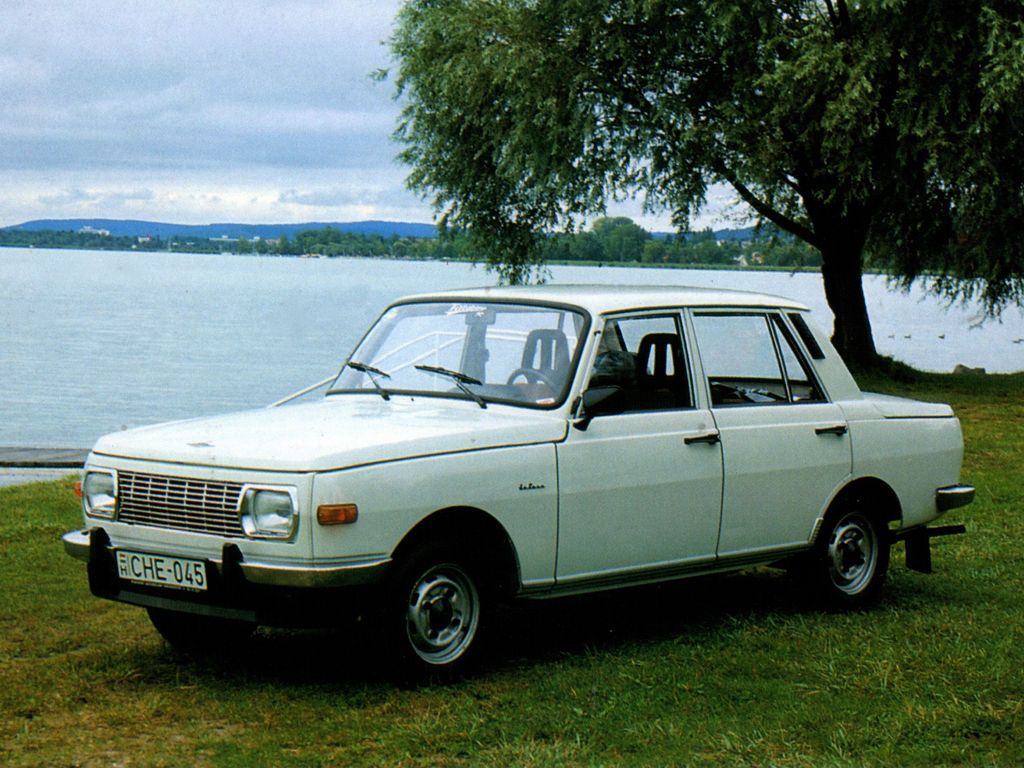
pixel 179 503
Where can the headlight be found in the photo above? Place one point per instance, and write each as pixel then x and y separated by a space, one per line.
pixel 99 493
pixel 269 512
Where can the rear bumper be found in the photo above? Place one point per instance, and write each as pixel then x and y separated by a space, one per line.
pixel 264 592
pixel 953 496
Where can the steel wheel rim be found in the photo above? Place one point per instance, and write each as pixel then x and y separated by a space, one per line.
pixel 442 614
pixel 852 554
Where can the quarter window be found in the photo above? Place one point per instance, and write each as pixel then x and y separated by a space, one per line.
pixel 802 386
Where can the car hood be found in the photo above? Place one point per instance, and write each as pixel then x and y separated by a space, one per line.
pixel 334 433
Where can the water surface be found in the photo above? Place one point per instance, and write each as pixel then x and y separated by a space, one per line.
pixel 92 342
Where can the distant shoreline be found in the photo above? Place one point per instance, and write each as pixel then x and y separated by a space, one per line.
pixel 616 241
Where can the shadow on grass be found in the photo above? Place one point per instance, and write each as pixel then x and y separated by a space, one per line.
pixel 529 634
pixel 606 621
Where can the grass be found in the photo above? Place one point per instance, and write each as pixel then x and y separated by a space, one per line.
pixel 738 670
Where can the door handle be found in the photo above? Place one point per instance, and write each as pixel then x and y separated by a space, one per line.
pixel 708 437
pixel 837 429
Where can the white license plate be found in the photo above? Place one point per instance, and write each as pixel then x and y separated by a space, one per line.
pixel 174 572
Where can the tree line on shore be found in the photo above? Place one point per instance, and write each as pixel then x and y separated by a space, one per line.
pixel 617 240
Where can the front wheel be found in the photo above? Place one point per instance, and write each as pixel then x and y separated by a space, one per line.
pixel 436 610
pixel 852 560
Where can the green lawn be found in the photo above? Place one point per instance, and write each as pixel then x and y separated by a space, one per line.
pixel 739 670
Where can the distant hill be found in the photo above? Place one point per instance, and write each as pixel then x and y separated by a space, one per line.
pixel 133 228
pixel 746 233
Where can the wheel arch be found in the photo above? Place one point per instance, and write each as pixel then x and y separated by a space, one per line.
pixel 474 531
pixel 877 497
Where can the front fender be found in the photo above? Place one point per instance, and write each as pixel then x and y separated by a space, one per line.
pixel 517 486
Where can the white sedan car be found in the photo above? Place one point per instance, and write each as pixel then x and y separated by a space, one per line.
pixel 521 442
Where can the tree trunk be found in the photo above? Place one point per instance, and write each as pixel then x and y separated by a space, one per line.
pixel 839 231
pixel 842 272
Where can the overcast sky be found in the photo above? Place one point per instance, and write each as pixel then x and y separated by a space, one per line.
pixel 200 112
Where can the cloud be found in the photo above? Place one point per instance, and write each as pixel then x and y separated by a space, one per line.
pixel 22 72
pixel 77 196
pixel 131 196
pixel 331 197
pixel 251 194
pixel 68 197
pixel 200 111
pixel 103 84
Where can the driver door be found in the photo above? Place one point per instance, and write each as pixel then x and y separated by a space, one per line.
pixel 641 489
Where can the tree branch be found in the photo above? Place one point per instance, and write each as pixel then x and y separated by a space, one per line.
pixel 839 18
pixel 844 15
pixel 792 183
pixel 831 14
pixel 777 218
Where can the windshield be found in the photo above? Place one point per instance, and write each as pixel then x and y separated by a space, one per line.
pixel 485 351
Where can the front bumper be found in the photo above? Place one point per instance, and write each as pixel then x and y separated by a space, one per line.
pixel 264 592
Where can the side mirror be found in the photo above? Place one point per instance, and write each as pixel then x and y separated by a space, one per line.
pixel 598 401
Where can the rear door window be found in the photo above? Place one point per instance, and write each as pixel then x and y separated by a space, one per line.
pixel 750 359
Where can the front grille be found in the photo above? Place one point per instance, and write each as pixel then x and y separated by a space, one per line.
pixel 179 503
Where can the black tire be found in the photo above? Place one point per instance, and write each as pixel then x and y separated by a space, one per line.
pixel 199 635
pixel 434 615
pixel 851 559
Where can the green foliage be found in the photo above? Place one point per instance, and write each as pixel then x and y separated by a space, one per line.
pixel 20 238
pixel 891 127
pixel 725 671
pixel 620 240
pixel 972 204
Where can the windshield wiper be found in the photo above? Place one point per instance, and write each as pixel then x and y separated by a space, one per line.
pixel 460 379
pixel 372 374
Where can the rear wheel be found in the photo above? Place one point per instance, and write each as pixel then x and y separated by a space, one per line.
pixel 852 559
pixel 435 614
pixel 195 634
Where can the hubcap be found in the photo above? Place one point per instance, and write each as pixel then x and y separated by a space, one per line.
pixel 853 554
pixel 442 614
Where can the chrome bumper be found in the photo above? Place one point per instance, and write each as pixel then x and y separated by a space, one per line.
pixel 953 496
pixel 343 573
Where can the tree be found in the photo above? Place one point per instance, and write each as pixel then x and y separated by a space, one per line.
pixel 888 129
pixel 621 239
pixel 654 252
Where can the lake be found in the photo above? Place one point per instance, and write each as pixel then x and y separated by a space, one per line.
pixel 92 342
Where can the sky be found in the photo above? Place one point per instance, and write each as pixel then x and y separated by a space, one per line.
pixel 262 111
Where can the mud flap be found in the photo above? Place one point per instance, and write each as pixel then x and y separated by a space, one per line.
pixel 919 545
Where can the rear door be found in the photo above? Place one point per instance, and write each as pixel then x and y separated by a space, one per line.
pixel 785 447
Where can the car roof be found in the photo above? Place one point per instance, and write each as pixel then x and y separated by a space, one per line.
pixel 602 299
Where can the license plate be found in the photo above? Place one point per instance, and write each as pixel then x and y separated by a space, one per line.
pixel 175 572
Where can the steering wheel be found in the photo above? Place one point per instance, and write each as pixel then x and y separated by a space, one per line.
pixel 533 376
pixel 723 393
pixel 767 393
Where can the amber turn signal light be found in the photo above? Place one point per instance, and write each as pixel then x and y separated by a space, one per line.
pixel 78 488
pixel 337 514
